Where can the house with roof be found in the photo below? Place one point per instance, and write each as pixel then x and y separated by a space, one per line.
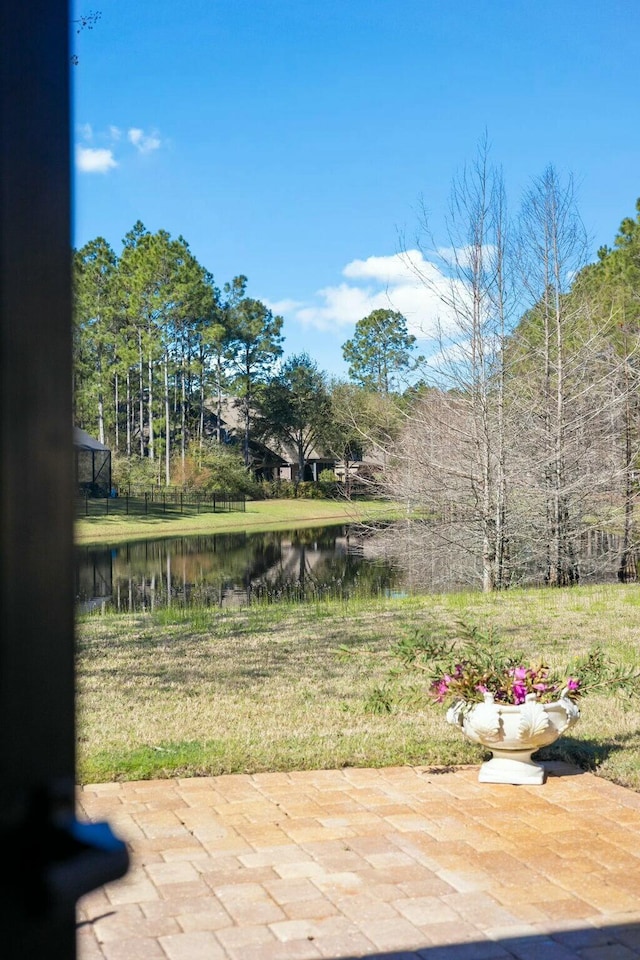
pixel 271 459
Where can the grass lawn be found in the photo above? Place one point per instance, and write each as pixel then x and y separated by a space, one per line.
pixel 187 693
pixel 259 515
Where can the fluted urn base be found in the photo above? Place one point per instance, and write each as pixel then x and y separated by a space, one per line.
pixel 513 766
pixel 513 732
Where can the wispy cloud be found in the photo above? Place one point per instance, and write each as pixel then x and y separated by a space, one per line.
pixel 284 306
pixel 144 142
pixel 96 150
pixel 463 257
pixel 94 159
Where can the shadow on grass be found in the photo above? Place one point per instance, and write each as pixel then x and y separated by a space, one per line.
pixel 588 754
pixel 620 941
pixel 172 661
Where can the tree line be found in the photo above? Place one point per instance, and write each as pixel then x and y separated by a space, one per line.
pixel 160 352
pixel 517 438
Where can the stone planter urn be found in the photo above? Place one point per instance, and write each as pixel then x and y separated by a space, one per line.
pixel 513 732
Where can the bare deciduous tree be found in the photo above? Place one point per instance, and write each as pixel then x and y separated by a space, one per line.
pixel 552 246
pixel 466 367
pixel 519 445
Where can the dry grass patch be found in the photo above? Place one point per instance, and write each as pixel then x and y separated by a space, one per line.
pixel 264 688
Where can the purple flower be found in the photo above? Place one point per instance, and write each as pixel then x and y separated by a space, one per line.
pixel 468 680
pixel 439 690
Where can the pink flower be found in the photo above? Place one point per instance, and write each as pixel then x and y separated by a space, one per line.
pixel 520 673
pixel 440 690
pixel 573 685
pixel 519 692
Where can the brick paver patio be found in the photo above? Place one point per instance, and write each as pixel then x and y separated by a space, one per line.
pixel 400 863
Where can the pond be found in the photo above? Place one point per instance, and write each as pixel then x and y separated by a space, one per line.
pixel 237 569
pixel 231 570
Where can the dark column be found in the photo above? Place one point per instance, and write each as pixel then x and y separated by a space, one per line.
pixel 36 477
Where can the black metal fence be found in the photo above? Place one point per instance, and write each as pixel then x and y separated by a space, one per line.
pixel 160 503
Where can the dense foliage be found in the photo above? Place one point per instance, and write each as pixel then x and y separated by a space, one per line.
pixel 518 442
pixel 165 362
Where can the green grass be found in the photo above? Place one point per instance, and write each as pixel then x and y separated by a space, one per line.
pixel 179 693
pixel 260 515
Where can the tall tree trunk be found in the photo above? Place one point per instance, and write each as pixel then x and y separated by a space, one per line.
pixel 554 242
pixel 470 352
pixel 301 458
pixel 201 399
pixel 101 433
pixel 129 412
pixel 219 398
pixel 167 423
pixel 247 410
pixel 116 411
pixel 628 566
pixel 150 398
pixel 183 413
pixel 141 390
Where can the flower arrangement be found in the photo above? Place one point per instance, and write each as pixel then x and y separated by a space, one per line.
pixel 493 694
pixel 474 663
pixel 510 708
pixel 469 681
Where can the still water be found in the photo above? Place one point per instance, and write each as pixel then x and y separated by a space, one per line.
pixel 231 570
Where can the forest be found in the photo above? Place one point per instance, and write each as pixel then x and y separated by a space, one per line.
pixel 512 440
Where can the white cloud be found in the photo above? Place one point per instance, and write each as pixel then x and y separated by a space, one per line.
pixel 404 282
pixel 282 306
pixel 94 160
pixel 393 269
pixel 144 142
pixel 461 256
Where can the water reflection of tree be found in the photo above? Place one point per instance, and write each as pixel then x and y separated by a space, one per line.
pixel 237 568
pixel 306 572
pixel 441 556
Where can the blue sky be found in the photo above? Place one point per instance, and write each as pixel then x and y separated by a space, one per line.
pixel 294 141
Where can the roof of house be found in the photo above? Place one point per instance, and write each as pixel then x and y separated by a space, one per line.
pixel 284 452
pixel 82 439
